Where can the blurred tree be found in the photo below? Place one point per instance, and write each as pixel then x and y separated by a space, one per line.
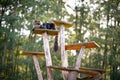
pixel 94 20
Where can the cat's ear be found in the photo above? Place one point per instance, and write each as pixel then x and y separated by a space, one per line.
pixel 35 22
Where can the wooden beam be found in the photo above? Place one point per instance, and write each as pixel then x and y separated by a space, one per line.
pixel 64 55
pixel 33 53
pixel 78 46
pixel 47 56
pixel 48 31
pixel 87 78
pixel 102 71
pixel 37 67
pixel 86 72
pixel 59 23
pixel 79 58
pixel 73 75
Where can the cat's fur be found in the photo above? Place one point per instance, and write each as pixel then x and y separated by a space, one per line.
pixel 51 26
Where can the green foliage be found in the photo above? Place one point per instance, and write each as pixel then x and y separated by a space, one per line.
pixel 100 23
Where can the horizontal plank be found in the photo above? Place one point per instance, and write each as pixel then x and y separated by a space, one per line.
pixel 87 72
pixel 78 46
pixel 90 78
pixel 33 53
pixel 102 71
pixel 48 31
pixel 86 78
pixel 59 23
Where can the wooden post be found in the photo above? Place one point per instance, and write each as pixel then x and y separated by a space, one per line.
pixel 73 75
pixel 64 56
pixel 78 62
pixel 37 67
pixel 47 56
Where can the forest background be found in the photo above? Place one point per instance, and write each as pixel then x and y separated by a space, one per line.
pixel 93 20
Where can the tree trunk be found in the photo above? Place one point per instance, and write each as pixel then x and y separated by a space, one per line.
pixel 47 56
pixel 73 75
pixel 4 53
pixel 64 56
pixel 2 14
pixel 104 65
pixel 37 67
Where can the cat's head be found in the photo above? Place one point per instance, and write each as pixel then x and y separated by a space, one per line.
pixel 37 22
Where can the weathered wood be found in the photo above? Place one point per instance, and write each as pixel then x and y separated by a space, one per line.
pixel 48 31
pixel 78 46
pixel 33 53
pixel 47 56
pixel 86 72
pixel 95 74
pixel 87 78
pixel 37 67
pixel 73 75
pixel 59 23
pixel 64 56
pixel 79 58
pixel 102 71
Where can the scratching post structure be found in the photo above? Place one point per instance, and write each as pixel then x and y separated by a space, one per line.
pixel 69 73
pixel 36 63
pixel 45 33
pixel 64 57
pixel 46 53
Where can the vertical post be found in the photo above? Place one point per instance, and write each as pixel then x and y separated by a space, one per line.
pixel 64 56
pixel 73 75
pixel 78 62
pixel 37 67
pixel 47 56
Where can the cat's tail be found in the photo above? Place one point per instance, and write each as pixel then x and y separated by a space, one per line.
pixel 56 44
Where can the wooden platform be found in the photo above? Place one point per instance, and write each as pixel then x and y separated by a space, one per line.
pixel 102 71
pixel 78 46
pixel 86 72
pixel 49 32
pixel 33 53
pixel 59 23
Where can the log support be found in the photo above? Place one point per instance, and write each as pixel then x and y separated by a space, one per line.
pixel 37 67
pixel 64 56
pixel 47 56
pixel 73 75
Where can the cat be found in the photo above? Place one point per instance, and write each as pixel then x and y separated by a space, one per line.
pixel 36 25
pixel 51 26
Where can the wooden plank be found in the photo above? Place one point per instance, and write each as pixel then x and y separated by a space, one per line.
pixel 78 46
pixel 59 23
pixel 33 53
pixel 79 58
pixel 48 31
pixel 86 72
pixel 64 55
pixel 37 67
pixel 94 74
pixel 73 75
pixel 47 56
pixel 87 78
pixel 102 71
